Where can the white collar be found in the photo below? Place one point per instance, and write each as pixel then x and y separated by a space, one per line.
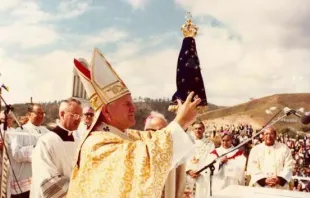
pixel 31 125
pixel 62 127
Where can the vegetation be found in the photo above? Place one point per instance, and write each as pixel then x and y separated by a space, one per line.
pixel 253 110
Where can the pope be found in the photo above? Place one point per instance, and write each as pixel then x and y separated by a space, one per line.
pixel 113 161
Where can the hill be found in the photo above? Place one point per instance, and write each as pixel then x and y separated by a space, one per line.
pixel 254 112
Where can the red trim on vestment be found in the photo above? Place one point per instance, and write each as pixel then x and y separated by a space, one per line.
pixel 238 153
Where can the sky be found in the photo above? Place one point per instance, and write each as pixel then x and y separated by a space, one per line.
pixel 247 49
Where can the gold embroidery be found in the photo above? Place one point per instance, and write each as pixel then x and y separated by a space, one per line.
pixel 113 167
pixel 95 101
pixel 116 89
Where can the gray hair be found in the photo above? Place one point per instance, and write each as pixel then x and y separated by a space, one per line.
pixel 153 114
pixel 66 103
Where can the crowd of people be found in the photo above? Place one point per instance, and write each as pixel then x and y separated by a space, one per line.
pixel 93 152
pixel 299 146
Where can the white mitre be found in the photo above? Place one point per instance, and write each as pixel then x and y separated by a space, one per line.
pixel 100 81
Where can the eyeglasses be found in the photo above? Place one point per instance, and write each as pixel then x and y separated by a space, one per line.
pixel 75 115
pixel 38 113
pixel 89 114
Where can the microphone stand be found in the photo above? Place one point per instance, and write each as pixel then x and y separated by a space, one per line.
pixel 211 165
pixel 8 109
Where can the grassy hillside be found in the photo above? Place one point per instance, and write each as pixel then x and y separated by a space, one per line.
pixel 254 111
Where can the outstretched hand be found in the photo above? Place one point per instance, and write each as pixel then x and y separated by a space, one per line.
pixel 187 112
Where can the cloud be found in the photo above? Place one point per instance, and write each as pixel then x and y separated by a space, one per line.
pixel 45 78
pixel 73 8
pixel 28 36
pixel 106 36
pixel 30 27
pixel 258 49
pixel 137 4
pixel 274 46
pixel 5 5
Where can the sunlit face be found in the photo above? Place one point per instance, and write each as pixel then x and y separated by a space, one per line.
pixel 36 116
pixel 270 136
pixel 120 113
pixel 199 129
pixel 71 117
pixel 226 141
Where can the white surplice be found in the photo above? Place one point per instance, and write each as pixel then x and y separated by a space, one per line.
pixel 230 173
pixel 21 144
pixel 265 161
pixel 53 161
pixel 201 153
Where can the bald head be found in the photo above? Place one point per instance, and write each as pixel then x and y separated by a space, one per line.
pixel 270 135
pixel 155 121
pixel 70 113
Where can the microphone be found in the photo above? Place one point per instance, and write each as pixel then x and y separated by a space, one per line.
pixel 289 111
pixel 5 87
pixel 305 119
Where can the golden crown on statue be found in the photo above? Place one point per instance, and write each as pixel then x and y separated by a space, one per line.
pixel 189 29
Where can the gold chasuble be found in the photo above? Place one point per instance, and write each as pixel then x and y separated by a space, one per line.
pixel 114 165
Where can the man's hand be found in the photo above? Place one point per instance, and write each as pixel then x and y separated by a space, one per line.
pixel 193 174
pixel 224 160
pixel 187 111
pixel 276 180
pixel 272 181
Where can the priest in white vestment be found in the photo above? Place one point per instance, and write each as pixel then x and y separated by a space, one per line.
pixel 54 153
pixel 199 159
pixel 21 144
pixel 229 170
pixel 270 163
